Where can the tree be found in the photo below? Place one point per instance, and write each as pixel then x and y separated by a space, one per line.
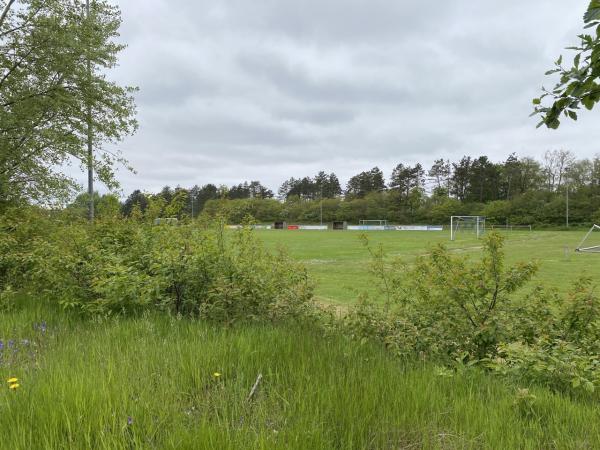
pixel 406 178
pixel 484 179
pixel 556 162
pixel 578 84
pixel 240 191
pixel 136 198
pixel 206 193
pixel 461 175
pixel 285 188
pixel 365 182
pixel 257 190
pixel 326 186
pixel 107 206
pixel 321 186
pixel 167 194
pixel 177 206
pixel 333 189
pixel 46 92
pixel 441 173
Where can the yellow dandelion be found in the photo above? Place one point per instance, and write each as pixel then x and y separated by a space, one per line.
pixel 14 386
pixel 12 380
pixel 216 374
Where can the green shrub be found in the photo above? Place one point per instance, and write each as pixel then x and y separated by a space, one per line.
pixel 564 352
pixel 450 309
pixel 444 305
pixel 125 267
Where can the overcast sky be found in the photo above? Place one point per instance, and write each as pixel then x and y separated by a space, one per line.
pixel 234 90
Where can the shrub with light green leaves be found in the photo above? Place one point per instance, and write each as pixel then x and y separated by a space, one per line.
pixel 451 309
pixel 125 267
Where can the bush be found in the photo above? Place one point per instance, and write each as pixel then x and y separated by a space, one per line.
pixel 448 309
pixel 124 267
pixel 448 305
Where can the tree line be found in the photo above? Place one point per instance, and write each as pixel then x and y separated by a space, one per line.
pixel 518 190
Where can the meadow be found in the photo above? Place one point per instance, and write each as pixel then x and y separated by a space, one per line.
pixel 161 382
pixel 158 378
pixel 339 263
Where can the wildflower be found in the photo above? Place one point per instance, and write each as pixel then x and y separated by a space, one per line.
pixel 11 343
pixel 1 345
pixel 216 375
pixel 129 420
pixel 12 380
pixel 14 386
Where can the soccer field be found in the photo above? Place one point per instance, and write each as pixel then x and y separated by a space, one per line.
pixel 339 263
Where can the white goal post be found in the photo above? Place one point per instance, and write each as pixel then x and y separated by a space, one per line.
pixel 475 224
pixel 584 246
pixel 511 227
pixel 378 222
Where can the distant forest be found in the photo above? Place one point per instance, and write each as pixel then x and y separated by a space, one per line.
pixel 520 190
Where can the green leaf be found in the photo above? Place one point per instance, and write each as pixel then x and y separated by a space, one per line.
pixel 536 101
pixel 588 102
pixel 572 115
pixel 593 12
pixel 554 124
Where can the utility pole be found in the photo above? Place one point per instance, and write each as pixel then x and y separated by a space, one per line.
pixel 90 136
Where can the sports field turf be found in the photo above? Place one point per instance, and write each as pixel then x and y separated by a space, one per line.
pixel 338 261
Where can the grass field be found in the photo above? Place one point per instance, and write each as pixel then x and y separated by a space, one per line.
pixel 150 383
pixel 338 261
pixel 159 381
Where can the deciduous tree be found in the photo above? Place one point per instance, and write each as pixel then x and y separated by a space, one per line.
pixel 579 83
pixel 46 90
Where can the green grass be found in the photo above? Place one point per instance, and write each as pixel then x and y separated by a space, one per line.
pixel 81 381
pixel 338 262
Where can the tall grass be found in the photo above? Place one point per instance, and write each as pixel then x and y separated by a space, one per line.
pixel 150 383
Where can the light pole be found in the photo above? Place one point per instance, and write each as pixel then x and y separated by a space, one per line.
pixel 321 206
pixel 567 203
pixel 567 184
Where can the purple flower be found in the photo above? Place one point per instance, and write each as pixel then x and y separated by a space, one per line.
pixel 1 345
pixel 129 420
pixel 11 343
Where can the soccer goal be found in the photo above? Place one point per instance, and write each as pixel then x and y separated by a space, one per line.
pixel 508 227
pixel 472 225
pixel 591 241
pixel 378 222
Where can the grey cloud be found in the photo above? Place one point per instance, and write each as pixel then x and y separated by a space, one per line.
pixel 234 90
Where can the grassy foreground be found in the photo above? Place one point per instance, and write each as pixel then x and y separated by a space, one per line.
pixel 151 383
pixel 339 263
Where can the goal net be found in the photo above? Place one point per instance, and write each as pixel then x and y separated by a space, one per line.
pixel 378 222
pixel 466 225
pixel 509 227
pixel 591 241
